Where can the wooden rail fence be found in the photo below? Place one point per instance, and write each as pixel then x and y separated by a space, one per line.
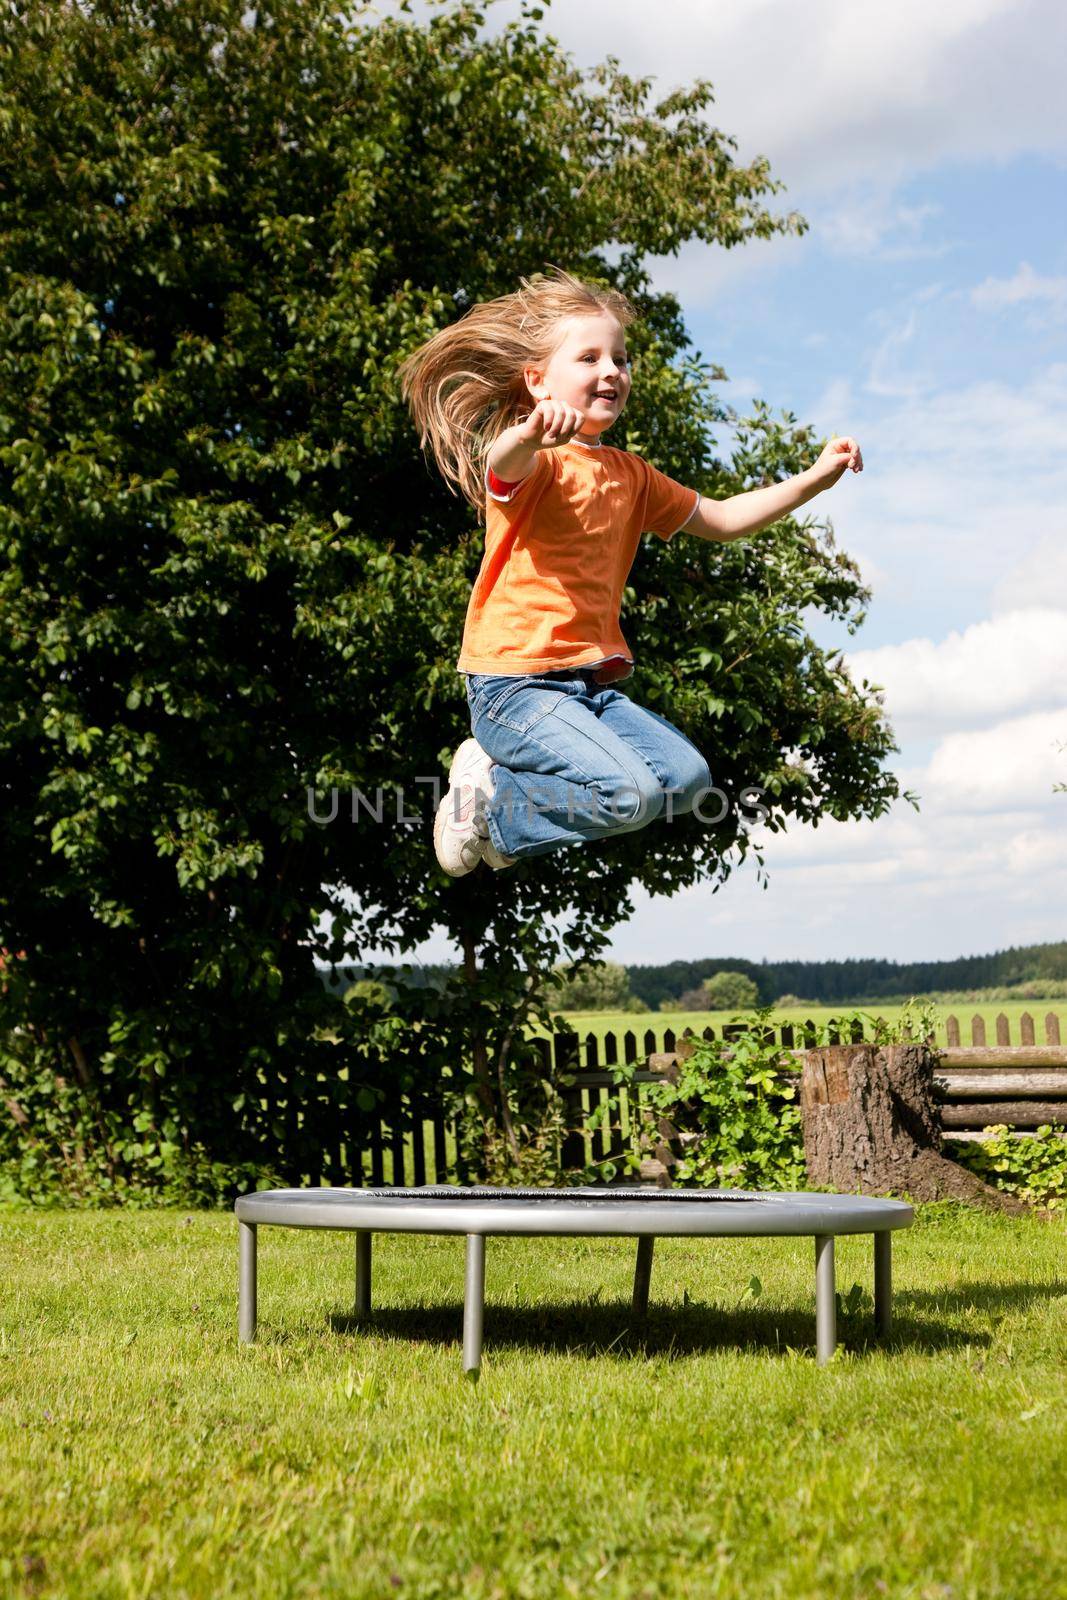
pixel 409 1141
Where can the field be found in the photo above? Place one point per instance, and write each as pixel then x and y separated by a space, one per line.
pixel 143 1452
pixel 619 1022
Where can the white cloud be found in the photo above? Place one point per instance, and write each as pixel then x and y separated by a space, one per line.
pixel 700 274
pixel 740 392
pixel 864 222
pixel 1010 663
pixel 987 850
pixel 961 499
pixel 1027 287
pixel 835 402
pixel 1010 766
pixel 846 94
pixel 909 886
pixel 890 377
pixel 1041 573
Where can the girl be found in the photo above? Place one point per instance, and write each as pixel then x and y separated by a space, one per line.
pixel 513 399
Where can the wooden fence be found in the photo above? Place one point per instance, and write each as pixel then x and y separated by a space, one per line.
pixel 409 1141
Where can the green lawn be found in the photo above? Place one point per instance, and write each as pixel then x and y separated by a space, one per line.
pixel 145 1453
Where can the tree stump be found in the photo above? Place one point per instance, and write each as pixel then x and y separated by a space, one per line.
pixel 871 1123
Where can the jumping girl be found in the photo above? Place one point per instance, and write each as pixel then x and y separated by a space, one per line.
pixel 513 399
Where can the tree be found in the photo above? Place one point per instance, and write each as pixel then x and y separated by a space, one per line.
pixel 604 987
pixel 232 588
pixel 722 991
pixel 730 991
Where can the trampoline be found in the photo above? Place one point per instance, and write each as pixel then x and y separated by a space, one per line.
pixel 478 1211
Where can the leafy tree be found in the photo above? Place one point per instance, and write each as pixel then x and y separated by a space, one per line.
pixel 604 987
pixel 722 991
pixel 730 991
pixel 230 579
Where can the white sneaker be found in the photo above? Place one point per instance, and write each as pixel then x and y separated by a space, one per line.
pixel 460 831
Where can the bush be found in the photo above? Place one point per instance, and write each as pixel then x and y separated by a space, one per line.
pixel 1034 1169
pixel 739 1097
pixel 741 1105
pixel 371 989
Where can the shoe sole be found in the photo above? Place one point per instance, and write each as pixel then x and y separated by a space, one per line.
pixel 441 819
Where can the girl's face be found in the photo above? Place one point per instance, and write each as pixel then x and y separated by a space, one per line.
pixel 589 369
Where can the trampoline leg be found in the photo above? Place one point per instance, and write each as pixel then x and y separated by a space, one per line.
pixel 883 1283
pixel 643 1274
pixel 474 1303
pixel 363 1239
pixel 246 1282
pixel 825 1305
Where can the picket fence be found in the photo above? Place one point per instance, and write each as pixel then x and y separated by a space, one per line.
pixel 408 1140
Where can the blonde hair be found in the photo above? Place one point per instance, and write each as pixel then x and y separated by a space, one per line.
pixel 465 385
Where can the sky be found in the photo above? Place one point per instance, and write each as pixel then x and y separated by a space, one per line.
pixel 924 313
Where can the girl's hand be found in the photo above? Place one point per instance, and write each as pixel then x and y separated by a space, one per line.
pixel 550 423
pixel 838 455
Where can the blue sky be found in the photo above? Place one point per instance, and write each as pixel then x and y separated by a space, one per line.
pixel 924 312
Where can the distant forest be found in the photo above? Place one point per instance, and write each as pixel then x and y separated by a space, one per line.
pixel 859 982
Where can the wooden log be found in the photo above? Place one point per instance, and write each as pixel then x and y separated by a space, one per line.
pixel 1017 1113
pixel 1018 1084
pixel 871 1123
pixel 1017 1055
pixel 969 1135
pixel 980 1080
pixel 969 1058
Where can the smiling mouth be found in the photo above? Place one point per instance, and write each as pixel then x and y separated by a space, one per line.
pixel 610 398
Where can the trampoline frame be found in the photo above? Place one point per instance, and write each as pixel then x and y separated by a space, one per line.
pixel 477 1211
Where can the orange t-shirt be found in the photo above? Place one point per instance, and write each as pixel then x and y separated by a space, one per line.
pixel 558 550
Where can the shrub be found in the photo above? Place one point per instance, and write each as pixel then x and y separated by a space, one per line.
pixel 1034 1169
pixel 739 1097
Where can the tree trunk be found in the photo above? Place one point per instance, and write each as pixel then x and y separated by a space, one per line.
pixel 483 1085
pixel 871 1123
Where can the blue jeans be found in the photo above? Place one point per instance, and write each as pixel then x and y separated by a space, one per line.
pixel 575 761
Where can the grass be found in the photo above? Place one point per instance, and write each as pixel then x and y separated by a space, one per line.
pixel 146 1453
pixel 619 1022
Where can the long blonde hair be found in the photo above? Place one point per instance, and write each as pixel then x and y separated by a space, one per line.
pixel 465 384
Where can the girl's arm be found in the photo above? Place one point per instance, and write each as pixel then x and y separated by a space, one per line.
pixel 550 423
pixel 741 514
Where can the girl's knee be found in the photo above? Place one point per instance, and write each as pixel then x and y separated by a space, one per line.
pixel 639 799
pixel 689 780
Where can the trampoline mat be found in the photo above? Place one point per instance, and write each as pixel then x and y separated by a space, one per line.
pixel 569 1196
